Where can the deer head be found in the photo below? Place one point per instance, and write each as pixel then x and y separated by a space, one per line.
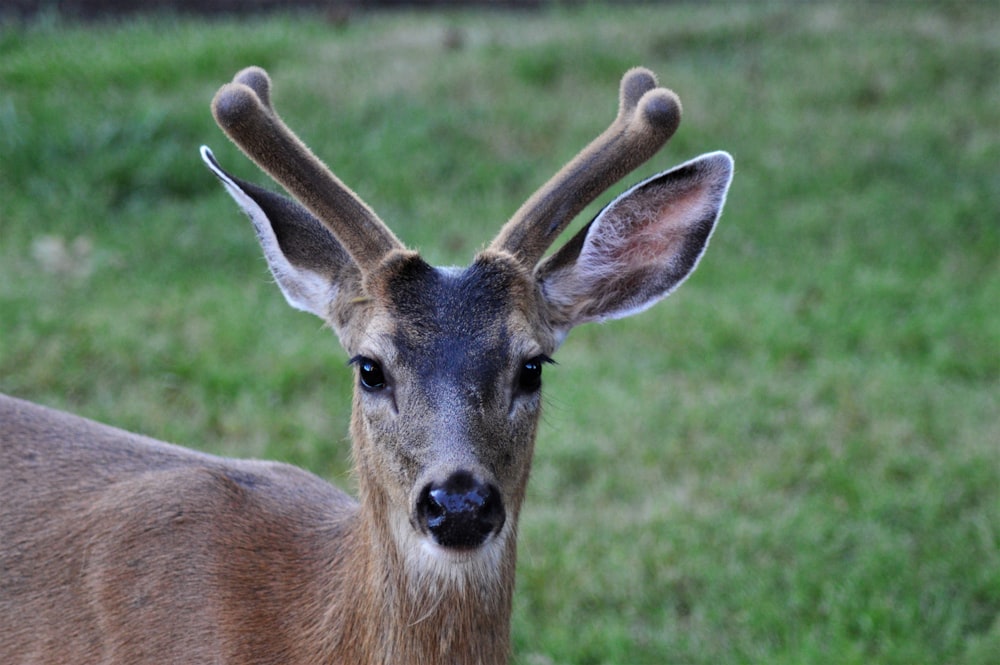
pixel 449 361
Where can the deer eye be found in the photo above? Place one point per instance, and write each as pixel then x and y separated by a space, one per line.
pixel 529 379
pixel 370 374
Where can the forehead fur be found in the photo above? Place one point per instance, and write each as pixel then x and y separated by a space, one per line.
pixel 481 310
pixel 455 306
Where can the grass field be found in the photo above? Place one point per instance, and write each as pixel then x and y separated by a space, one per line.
pixel 795 459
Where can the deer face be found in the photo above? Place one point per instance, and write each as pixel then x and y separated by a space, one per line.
pixel 448 395
pixel 449 360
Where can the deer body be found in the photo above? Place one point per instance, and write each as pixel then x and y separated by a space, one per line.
pixel 116 548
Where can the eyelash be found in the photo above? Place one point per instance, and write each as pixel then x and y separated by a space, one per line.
pixel 529 378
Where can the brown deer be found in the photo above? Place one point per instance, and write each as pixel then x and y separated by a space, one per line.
pixel 116 548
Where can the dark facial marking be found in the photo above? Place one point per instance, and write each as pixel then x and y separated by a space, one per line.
pixel 452 326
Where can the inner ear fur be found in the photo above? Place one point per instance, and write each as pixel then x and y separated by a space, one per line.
pixel 640 248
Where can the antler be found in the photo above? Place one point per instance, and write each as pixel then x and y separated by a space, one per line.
pixel 243 110
pixel 647 117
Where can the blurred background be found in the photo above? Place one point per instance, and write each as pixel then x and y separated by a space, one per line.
pixel 794 459
pixel 97 9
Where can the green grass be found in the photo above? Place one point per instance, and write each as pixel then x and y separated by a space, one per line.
pixel 796 459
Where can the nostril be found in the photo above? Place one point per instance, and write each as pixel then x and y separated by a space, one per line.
pixel 461 512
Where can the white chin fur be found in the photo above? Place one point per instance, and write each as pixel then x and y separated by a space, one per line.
pixel 432 566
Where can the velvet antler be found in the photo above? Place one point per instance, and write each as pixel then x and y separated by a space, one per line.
pixel 647 117
pixel 243 110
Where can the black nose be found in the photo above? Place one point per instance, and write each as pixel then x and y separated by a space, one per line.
pixel 461 512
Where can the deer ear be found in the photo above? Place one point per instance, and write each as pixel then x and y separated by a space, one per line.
pixel 306 260
pixel 639 248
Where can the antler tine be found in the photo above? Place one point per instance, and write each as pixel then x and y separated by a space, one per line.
pixel 647 117
pixel 243 110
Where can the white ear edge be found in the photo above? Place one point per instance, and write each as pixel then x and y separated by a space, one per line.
pixel 303 289
pixel 575 287
pixel 724 162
